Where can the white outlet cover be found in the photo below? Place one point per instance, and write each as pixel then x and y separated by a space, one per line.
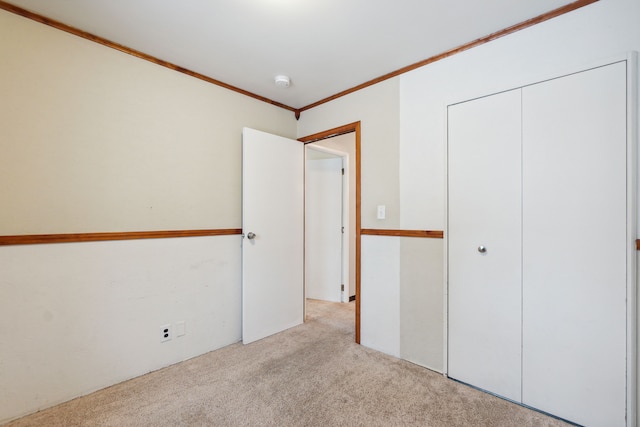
pixel 166 333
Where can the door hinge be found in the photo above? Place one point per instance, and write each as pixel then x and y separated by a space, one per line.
pixel 342 171
pixel 342 288
pixel 342 230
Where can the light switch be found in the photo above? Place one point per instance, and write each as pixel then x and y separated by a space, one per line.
pixel 382 211
pixel 180 328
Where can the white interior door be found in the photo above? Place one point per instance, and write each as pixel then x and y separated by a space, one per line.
pixel 574 238
pixel 273 227
pixel 323 227
pixel 484 244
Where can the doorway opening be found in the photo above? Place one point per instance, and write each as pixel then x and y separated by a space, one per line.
pixel 328 260
pixel 344 142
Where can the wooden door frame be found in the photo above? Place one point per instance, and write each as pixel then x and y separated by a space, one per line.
pixel 341 130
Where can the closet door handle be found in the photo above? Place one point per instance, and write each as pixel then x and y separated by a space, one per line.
pixel 482 249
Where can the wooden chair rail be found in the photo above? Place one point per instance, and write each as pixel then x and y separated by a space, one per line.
pixel 32 239
pixel 431 234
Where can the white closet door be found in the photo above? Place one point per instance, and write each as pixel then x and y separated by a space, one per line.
pixel 574 240
pixel 484 151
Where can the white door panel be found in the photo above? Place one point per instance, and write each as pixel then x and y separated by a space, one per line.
pixel 542 180
pixel 273 209
pixel 323 229
pixel 485 210
pixel 574 237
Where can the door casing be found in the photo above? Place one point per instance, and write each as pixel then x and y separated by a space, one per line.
pixel 341 130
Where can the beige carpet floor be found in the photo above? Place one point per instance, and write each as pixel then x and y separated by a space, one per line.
pixel 310 375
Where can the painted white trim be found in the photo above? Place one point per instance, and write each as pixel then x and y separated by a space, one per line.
pixel 335 152
pixel 632 220
pixel 445 258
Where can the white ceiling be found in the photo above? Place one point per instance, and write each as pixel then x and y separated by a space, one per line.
pixel 325 46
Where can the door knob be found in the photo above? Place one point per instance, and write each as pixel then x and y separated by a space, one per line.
pixel 251 235
pixel 482 249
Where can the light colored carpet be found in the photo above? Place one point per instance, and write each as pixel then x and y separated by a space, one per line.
pixel 310 375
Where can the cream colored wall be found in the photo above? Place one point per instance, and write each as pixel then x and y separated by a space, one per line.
pixel 421 306
pixel 94 140
pixel 97 140
pixel 376 108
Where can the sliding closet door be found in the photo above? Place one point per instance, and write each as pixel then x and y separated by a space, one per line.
pixel 484 244
pixel 574 240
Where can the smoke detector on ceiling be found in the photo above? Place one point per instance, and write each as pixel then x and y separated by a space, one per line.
pixel 283 81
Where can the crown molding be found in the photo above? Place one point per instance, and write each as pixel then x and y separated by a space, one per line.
pixel 297 111
pixel 108 43
pixel 486 39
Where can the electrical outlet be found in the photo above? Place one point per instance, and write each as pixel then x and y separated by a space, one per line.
pixel 180 329
pixel 166 333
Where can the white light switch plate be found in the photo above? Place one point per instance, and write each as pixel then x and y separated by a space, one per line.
pixel 382 211
pixel 180 329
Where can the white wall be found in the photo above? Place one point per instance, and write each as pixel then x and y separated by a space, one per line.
pixel 380 294
pixel 377 109
pixel 94 140
pixel 400 313
pixel 75 318
pixel 403 140
pixel 563 44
